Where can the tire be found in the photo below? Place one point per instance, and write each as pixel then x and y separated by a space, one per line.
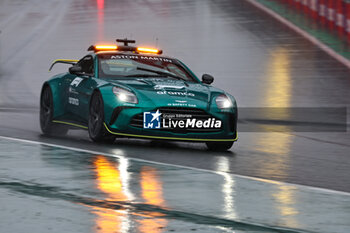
pixel 46 115
pixel 97 131
pixel 219 146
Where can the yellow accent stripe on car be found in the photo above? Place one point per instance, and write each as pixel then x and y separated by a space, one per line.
pixel 171 138
pixel 72 124
pixel 67 60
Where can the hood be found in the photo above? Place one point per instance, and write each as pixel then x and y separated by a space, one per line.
pixel 169 92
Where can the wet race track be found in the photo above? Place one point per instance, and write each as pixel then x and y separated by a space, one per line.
pixel 154 186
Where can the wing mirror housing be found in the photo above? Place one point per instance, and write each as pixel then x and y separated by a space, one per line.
pixel 75 70
pixel 207 79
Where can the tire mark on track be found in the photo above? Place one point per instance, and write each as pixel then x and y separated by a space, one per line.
pixel 56 193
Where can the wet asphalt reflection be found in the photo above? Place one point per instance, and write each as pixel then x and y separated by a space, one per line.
pixel 57 189
pixel 86 192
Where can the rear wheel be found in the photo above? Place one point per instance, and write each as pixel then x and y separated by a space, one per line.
pixel 97 131
pixel 46 115
pixel 219 146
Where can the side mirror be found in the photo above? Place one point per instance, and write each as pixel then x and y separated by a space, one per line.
pixel 207 79
pixel 75 69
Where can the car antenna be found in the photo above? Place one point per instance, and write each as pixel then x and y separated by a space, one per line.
pixel 126 41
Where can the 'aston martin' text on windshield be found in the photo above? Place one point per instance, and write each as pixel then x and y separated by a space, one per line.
pixel 134 66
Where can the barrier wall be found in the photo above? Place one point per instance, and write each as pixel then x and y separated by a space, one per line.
pixel 334 15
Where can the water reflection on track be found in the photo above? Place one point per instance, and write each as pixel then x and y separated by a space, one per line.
pixel 114 193
pixel 113 180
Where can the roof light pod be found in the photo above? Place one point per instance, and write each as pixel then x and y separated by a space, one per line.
pixel 149 50
pixel 106 47
pixel 126 47
pixel 97 48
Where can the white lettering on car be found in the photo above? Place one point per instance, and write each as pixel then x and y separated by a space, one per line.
pixel 76 82
pixel 73 101
pixel 177 93
pixel 134 57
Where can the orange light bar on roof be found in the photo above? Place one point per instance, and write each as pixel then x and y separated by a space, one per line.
pixel 106 47
pixel 147 50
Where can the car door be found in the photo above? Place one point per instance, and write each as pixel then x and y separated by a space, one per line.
pixel 81 88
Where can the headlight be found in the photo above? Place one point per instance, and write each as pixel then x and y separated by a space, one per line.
pixel 124 95
pixel 222 101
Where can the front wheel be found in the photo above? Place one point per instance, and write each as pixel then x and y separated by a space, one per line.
pixel 219 146
pixel 46 115
pixel 97 131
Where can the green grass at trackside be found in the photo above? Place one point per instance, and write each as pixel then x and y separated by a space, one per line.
pixel 316 29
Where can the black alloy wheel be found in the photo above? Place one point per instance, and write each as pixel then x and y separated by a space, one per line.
pixel 97 131
pixel 46 115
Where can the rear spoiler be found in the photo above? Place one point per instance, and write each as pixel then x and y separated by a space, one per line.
pixel 64 61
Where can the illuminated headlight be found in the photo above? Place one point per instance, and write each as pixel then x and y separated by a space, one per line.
pixel 222 101
pixel 124 95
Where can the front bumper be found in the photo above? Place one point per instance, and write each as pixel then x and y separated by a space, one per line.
pixel 120 125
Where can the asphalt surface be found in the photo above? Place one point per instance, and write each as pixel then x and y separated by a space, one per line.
pixel 56 189
pixel 258 60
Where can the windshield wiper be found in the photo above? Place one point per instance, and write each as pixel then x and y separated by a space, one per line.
pixel 143 75
pixel 161 73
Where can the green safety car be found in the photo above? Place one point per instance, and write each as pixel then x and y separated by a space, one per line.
pixel 127 91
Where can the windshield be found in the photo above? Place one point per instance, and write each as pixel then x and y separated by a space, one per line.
pixel 117 66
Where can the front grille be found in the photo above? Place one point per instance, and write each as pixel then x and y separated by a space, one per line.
pixel 137 120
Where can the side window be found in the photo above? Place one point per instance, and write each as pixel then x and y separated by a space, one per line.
pixel 87 64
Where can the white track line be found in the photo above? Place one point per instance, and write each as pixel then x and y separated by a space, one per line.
pixel 300 31
pixel 179 166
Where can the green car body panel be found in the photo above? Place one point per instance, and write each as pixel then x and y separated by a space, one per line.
pixel 72 102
